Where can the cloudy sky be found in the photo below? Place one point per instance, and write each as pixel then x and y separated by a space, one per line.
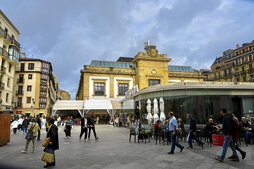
pixel 72 33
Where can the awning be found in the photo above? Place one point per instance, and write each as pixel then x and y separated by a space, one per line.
pixel 84 106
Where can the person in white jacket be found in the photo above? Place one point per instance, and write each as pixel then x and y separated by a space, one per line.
pixel 14 126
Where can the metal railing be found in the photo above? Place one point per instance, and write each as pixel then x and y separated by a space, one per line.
pixel 19 104
pixel 20 80
pixel 8 37
pixel 19 92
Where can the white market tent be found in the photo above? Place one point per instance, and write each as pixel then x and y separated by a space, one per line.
pixel 84 106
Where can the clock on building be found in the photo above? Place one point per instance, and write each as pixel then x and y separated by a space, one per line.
pixel 153 72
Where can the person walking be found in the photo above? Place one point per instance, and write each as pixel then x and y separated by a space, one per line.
pixel 68 126
pixel 228 129
pixel 92 126
pixel 33 128
pixel 192 132
pixel 236 135
pixel 84 126
pixel 14 126
pixel 38 120
pixel 173 129
pixel 25 124
pixel 53 142
pixel 20 123
pixel 43 122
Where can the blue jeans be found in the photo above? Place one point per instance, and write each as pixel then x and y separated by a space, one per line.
pixel 193 137
pixel 24 129
pixel 228 142
pixel 174 142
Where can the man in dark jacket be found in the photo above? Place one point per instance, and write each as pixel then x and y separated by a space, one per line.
pixel 192 132
pixel 25 124
pixel 53 143
pixel 91 126
pixel 228 130
pixel 84 126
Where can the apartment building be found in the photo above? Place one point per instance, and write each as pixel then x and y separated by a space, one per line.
pixel 9 57
pixel 236 65
pixel 36 87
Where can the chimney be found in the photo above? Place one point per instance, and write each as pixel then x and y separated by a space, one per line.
pixel 237 46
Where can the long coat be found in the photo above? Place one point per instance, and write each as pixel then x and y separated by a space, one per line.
pixel 53 134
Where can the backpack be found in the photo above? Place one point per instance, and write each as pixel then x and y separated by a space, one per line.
pixel 30 135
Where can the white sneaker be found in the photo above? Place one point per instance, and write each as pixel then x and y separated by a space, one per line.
pixel 23 151
pixel 85 139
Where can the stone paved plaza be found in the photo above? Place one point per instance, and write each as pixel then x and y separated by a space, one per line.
pixel 113 151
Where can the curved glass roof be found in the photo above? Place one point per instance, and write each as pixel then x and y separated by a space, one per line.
pixel 112 64
pixel 180 68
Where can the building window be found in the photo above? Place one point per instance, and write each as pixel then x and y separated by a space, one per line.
pixel 244 78
pixel 19 102
pixel 7 97
pixel 42 105
pixel 43 100
pixel 43 93
pixel 28 100
pixel 99 88
pixel 20 89
pixel 154 82
pixel 30 76
pixel 122 88
pixel 30 66
pixel 22 67
pixel 29 88
pixel 10 67
pixel 8 82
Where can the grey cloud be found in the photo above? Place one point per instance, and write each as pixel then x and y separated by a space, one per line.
pixel 71 34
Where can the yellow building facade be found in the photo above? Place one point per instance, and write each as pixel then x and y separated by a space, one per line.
pixel 64 95
pixel 236 65
pixel 9 56
pixel 111 79
pixel 36 87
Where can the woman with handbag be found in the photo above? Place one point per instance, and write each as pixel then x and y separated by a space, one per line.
pixel 31 135
pixel 49 151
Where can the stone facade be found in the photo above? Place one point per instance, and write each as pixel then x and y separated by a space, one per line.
pixel 236 65
pixel 9 56
pixel 36 87
pixel 64 95
pixel 111 79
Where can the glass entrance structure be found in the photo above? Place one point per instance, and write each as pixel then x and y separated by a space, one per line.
pixel 202 100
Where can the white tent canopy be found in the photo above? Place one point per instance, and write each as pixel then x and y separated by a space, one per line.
pixel 83 106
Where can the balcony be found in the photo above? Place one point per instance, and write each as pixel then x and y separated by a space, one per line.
pixel 14 42
pixel 21 80
pixel 5 35
pixel 2 70
pixel 228 74
pixel 250 70
pixel 243 72
pixel 19 105
pixel 237 74
pixel 2 86
pixel 20 92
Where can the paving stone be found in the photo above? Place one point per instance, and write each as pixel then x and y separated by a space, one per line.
pixel 113 151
